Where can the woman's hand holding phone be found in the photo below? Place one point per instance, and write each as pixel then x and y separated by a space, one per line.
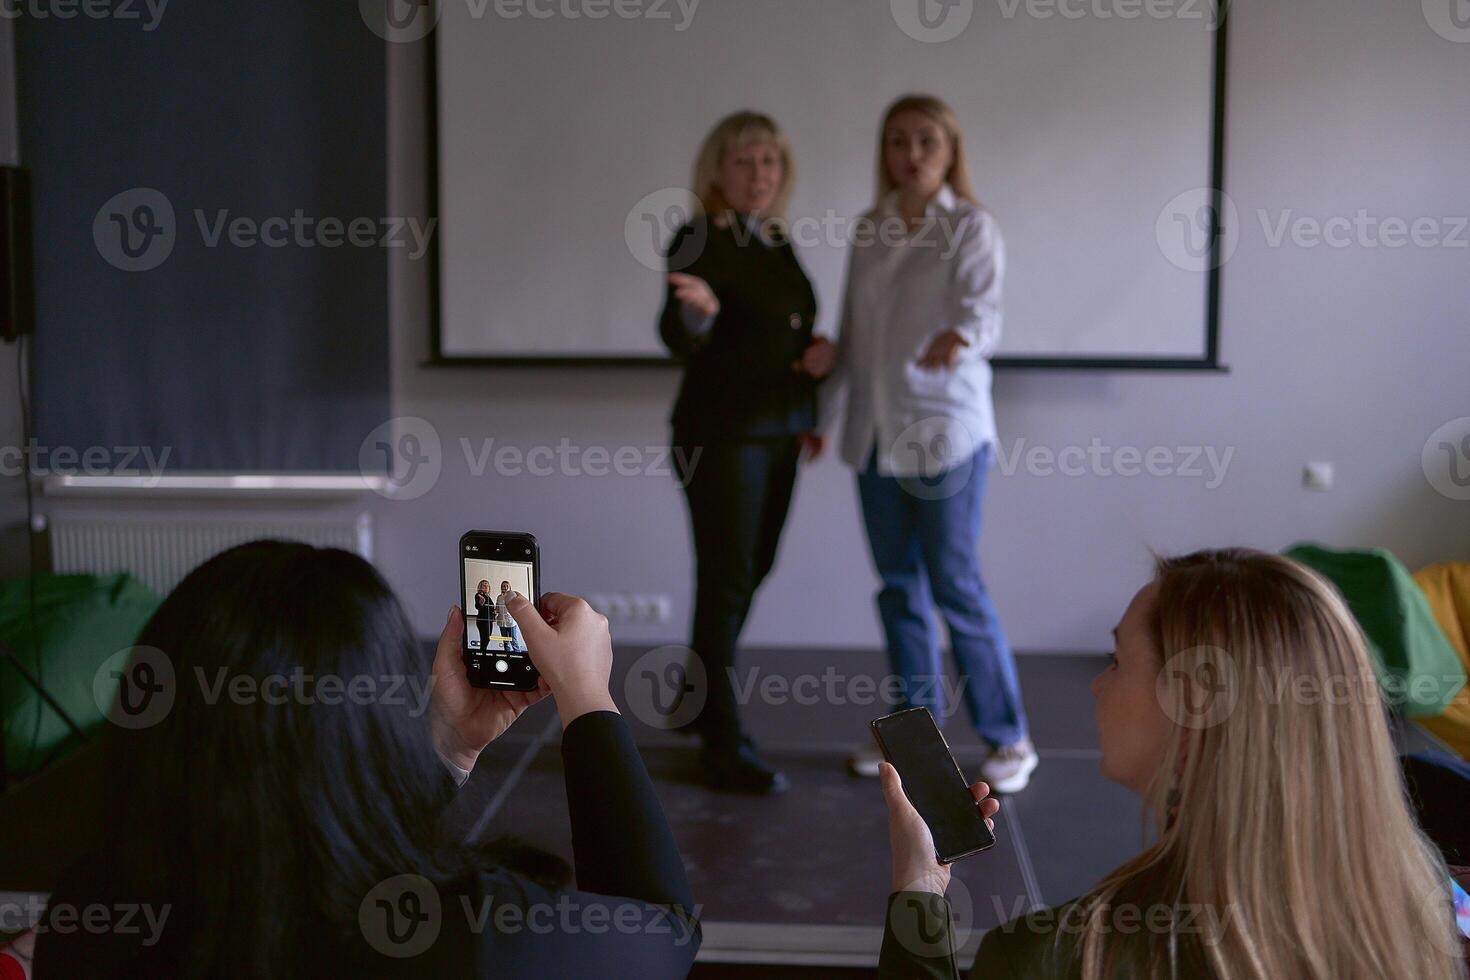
pixel 571 647
pixel 464 718
pixel 915 868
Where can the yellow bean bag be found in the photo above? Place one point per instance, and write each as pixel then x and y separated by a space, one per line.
pixel 1447 586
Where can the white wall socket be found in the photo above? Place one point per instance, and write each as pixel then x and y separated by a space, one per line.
pixel 639 607
pixel 1317 476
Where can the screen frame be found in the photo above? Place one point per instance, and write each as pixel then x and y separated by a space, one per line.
pixel 507 547
pixel 1209 361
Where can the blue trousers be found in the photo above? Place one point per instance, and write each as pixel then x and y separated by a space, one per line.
pixel 924 536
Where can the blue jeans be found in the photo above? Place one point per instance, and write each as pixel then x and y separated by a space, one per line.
pixel 924 535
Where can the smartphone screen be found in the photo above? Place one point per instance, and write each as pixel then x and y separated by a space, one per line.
pixel 933 782
pixel 493 566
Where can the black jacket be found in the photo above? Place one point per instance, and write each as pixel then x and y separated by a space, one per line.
pixel 630 915
pixel 739 381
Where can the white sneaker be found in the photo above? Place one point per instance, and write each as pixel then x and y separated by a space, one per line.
pixel 1008 769
pixel 864 761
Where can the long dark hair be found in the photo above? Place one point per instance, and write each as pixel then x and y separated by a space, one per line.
pixel 265 820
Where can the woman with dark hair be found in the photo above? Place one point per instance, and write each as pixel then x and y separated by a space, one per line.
pixel 281 816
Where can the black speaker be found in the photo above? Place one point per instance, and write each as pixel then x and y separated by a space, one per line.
pixel 17 260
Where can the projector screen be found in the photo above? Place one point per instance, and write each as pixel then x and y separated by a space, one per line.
pixel 567 132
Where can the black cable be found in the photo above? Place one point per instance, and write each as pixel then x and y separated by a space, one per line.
pixel 38 680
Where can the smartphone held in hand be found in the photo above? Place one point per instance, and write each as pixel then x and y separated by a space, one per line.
pixel 494 566
pixel 933 782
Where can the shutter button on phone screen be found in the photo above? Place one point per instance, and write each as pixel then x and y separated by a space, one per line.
pixel 502 666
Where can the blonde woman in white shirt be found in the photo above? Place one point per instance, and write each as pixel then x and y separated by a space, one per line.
pixel 920 320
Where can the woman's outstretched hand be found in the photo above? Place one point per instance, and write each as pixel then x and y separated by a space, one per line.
pixel 915 868
pixel 694 293
pixel 943 351
pixel 818 357
pixel 571 647
pixel 465 718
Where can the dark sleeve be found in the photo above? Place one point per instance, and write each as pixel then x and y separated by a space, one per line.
pixel 621 842
pixel 671 329
pixel 918 941
pixel 528 931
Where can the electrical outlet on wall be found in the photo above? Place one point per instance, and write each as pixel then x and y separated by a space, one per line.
pixel 643 607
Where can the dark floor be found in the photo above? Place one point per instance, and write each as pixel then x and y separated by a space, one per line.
pixel 801 879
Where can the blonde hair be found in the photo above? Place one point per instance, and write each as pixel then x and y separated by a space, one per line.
pixel 730 133
pixel 1287 816
pixel 958 177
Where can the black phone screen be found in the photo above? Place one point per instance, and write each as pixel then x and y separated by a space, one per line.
pixel 933 782
pixel 494 565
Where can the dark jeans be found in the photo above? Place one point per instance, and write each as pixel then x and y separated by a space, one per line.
pixel 738 496
pixel 484 626
pixel 925 539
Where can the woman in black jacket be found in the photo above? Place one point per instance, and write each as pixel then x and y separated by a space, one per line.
pixel 281 755
pixel 740 312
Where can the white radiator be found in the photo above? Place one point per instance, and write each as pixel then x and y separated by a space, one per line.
pixel 160 553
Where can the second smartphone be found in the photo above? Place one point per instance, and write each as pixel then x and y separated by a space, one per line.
pixel 493 565
pixel 933 782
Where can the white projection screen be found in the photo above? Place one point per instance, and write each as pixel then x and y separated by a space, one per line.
pixel 566 133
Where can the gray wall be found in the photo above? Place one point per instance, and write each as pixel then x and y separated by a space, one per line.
pixel 1348 355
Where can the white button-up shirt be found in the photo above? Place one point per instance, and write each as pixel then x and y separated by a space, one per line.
pixel 905 287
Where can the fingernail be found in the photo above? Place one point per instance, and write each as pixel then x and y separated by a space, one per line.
pixel 451 614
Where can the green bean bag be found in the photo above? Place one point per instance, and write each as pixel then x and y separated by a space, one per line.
pixel 79 621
